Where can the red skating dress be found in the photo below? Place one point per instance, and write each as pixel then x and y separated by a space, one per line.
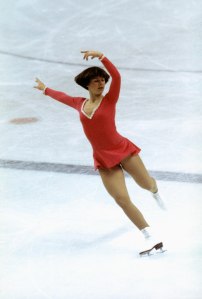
pixel 109 147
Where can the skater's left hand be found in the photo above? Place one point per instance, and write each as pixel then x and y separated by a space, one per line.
pixel 91 54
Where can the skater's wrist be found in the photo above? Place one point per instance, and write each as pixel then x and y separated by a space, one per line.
pixel 44 90
pixel 101 57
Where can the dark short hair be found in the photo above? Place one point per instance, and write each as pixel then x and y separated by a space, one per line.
pixel 84 78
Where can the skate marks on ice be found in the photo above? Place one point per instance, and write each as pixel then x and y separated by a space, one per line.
pixel 164 69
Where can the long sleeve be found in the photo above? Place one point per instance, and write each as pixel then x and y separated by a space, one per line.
pixel 115 86
pixel 74 102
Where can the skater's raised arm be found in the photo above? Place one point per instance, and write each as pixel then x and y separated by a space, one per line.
pixel 58 95
pixel 114 89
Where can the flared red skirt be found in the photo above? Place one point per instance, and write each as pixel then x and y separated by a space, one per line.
pixel 108 158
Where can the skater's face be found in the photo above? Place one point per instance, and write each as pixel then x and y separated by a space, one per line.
pixel 96 85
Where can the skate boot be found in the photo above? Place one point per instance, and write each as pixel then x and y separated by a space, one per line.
pixel 152 248
pixel 152 243
pixel 159 200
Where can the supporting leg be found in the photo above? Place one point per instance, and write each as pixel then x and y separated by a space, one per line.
pixel 114 182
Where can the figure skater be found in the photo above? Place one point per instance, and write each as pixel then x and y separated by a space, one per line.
pixel 112 152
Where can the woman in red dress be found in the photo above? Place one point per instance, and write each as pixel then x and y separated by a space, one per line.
pixel 112 152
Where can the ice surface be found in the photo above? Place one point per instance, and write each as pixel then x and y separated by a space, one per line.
pixel 76 243
pixel 62 236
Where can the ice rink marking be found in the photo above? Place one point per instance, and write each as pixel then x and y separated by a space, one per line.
pixel 88 170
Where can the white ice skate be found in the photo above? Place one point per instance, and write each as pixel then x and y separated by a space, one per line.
pixel 159 200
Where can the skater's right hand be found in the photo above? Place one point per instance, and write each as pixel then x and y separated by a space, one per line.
pixel 91 54
pixel 40 86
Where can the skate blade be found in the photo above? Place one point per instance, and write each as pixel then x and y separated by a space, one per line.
pixel 152 253
pixel 158 248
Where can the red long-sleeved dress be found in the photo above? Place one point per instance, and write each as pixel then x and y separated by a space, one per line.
pixel 109 147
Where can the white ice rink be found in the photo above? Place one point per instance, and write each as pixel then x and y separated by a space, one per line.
pixel 61 235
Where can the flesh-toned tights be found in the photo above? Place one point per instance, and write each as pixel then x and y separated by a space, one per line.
pixel 114 182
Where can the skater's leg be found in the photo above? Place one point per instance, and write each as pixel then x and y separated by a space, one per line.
pixel 135 167
pixel 114 182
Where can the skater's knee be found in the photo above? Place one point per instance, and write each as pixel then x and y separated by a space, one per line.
pixel 149 184
pixel 122 200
